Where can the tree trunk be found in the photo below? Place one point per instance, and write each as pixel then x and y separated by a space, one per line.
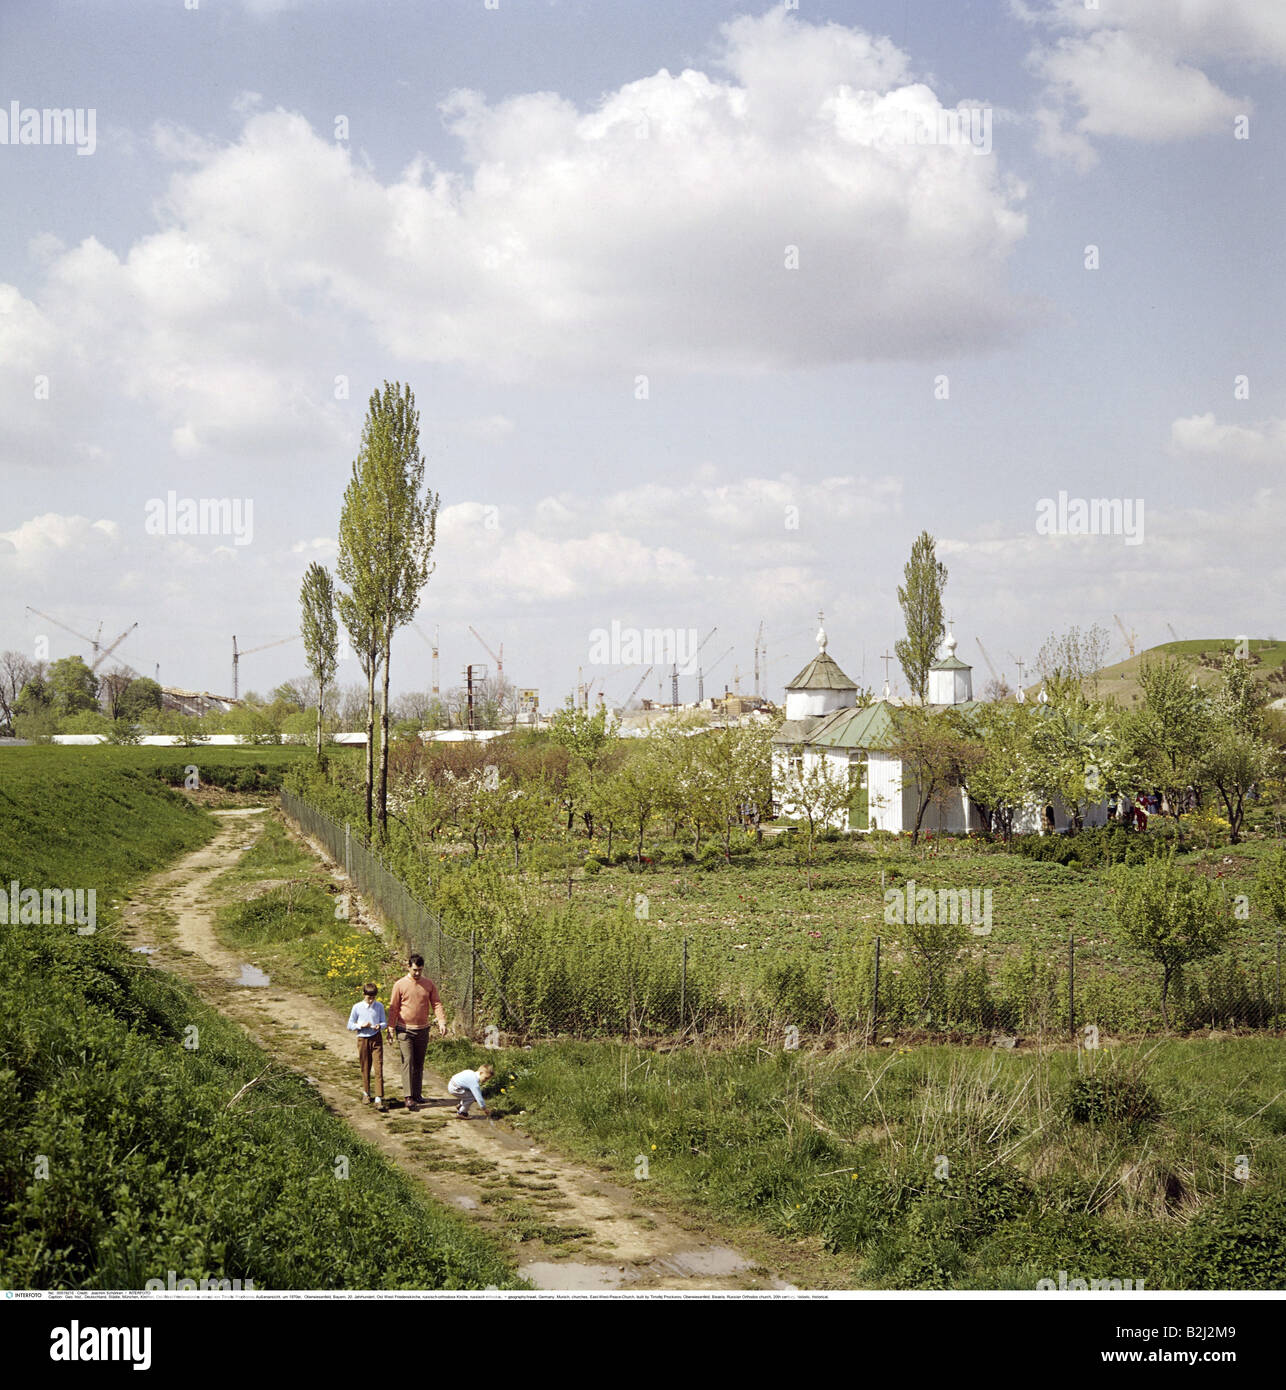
pixel 370 737
pixel 383 799
pixel 319 724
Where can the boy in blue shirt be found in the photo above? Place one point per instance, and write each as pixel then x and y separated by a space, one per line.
pixel 367 1020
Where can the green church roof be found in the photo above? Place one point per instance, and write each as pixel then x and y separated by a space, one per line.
pixel 950 663
pixel 821 673
pixel 872 728
pixel 844 728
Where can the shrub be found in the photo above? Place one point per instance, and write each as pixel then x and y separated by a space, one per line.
pixel 1111 1098
pixel 1239 1242
pixel 592 865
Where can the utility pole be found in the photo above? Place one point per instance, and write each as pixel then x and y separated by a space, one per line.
pixel 468 681
pixel 435 658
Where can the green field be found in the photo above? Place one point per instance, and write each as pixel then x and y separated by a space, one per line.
pixel 943 1167
pixel 245 769
pixel 122 1154
pixel 765 952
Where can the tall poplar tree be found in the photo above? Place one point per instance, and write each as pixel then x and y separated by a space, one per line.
pixel 320 633
pixel 386 535
pixel 921 600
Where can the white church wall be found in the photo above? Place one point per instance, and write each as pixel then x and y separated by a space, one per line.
pixel 884 792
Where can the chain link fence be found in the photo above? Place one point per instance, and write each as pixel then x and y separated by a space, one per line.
pixel 449 960
pixel 565 977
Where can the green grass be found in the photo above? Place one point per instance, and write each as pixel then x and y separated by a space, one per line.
pixel 141 1132
pixel 942 1167
pixel 1120 681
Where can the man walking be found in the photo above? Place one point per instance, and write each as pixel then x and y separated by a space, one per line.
pixel 414 996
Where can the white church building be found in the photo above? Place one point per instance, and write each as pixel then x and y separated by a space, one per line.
pixel 823 724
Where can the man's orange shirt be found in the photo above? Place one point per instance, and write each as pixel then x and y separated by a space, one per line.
pixel 412 1002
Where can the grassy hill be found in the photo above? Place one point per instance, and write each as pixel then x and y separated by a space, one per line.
pixel 1120 681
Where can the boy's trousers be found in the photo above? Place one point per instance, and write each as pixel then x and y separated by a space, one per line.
pixel 370 1053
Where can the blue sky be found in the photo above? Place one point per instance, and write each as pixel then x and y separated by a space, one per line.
pixel 539 204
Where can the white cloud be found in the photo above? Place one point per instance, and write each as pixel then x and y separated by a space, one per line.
pixel 230 322
pixel 1136 68
pixel 1204 436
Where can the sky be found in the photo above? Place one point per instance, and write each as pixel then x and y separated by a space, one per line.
pixel 709 310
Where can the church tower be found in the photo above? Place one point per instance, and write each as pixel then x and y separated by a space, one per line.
pixel 821 687
pixel 950 679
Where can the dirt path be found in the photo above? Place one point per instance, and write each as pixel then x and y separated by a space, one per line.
pixel 577 1230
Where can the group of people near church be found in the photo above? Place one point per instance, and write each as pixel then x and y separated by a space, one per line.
pixel 413 1006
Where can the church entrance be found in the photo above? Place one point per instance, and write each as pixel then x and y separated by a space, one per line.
pixel 858 796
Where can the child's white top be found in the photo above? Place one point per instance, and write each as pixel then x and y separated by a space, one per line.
pixel 367 1019
pixel 467 1081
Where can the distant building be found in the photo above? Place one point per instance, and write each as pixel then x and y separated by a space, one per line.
pixel 195 703
pixel 824 725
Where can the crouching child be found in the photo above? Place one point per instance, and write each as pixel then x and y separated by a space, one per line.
pixel 466 1087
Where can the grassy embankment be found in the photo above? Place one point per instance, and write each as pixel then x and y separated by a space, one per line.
pixel 129 1147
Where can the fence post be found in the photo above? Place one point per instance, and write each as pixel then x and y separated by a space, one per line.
pixel 348 852
pixel 1071 983
pixel 875 995
pixel 1277 1000
pixel 683 987
pixel 473 956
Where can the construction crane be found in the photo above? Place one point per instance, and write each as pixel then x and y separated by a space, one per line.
pixel 99 656
pixel 759 647
pixel 1173 633
pixel 701 684
pixel 250 651
pixel 433 645
pixel 639 686
pixel 498 659
pixel 1130 637
pixel 991 665
pixel 107 651
pixel 93 641
pixel 722 658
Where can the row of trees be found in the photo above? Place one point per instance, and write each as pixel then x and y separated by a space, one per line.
pixel 38 698
pixel 581 778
